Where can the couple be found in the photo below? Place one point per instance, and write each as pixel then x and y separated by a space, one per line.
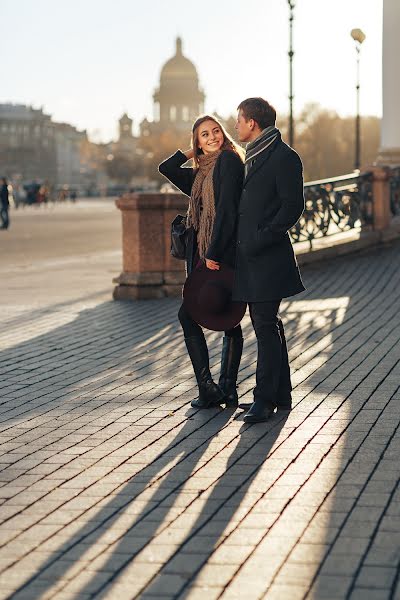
pixel 240 212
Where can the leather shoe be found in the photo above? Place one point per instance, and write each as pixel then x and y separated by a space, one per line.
pixel 259 412
pixel 284 403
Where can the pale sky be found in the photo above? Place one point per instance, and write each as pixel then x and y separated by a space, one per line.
pixel 88 61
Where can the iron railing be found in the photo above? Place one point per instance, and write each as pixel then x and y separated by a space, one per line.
pixel 333 206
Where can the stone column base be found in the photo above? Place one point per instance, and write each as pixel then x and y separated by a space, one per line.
pixel 138 286
pixel 132 292
pixel 388 157
pixel 144 286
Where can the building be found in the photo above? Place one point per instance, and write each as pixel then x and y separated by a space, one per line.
pixel 27 143
pixel 35 148
pixel 68 145
pixel 127 143
pixel 178 99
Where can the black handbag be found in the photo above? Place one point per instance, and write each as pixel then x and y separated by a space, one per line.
pixel 179 237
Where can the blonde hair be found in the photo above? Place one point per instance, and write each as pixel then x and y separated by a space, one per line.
pixel 228 144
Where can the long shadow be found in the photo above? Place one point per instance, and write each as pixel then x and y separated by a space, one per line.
pixel 215 519
pixel 134 541
pixel 165 475
pixel 367 284
pixel 365 385
pixel 363 350
pixel 83 331
pixel 351 330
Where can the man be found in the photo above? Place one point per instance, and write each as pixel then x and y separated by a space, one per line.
pixel 4 203
pixel 272 201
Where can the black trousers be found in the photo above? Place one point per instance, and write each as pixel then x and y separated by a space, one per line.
pixel 193 329
pixel 273 371
pixel 4 216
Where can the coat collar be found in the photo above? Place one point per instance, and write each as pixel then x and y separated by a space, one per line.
pixel 262 158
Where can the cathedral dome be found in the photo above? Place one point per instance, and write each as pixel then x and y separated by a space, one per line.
pixel 178 68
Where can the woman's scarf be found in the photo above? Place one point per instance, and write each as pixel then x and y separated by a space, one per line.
pixel 201 213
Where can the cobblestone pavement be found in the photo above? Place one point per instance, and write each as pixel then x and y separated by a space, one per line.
pixel 113 487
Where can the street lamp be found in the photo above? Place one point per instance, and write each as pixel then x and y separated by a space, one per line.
pixel 291 4
pixel 358 36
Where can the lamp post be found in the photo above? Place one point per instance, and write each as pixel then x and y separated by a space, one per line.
pixel 358 36
pixel 291 4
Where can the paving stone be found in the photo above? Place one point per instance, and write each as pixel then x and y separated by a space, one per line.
pixel 362 593
pixel 376 577
pixel 108 474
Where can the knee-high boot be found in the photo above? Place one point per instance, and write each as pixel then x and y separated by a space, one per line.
pixel 210 394
pixel 230 360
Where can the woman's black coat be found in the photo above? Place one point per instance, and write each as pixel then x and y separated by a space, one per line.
pixel 227 180
pixel 272 201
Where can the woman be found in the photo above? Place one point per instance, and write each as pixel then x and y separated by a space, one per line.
pixel 214 186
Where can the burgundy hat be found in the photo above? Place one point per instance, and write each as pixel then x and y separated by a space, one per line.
pixel 207 297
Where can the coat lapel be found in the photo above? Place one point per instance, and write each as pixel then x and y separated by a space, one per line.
pixel 262 158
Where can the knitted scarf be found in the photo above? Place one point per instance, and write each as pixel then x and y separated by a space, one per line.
pixel 201 212
pixel 253 149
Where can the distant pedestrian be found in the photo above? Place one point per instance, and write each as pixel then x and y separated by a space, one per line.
pixel 5 204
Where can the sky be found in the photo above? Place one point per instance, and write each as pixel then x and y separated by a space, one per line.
pixel 88 61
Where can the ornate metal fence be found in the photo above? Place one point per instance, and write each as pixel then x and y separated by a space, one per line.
pixel 395 191
pixel 333 206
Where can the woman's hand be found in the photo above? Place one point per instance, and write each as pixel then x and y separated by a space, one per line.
pixel 211 264
pixel 189 153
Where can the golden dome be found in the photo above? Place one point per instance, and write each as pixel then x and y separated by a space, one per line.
pixel 178 67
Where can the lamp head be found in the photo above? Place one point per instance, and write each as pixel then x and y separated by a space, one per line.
pixel 358 35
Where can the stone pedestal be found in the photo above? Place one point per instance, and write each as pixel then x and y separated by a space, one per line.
pixel 148 269
pixel 389 152
pixel 381 198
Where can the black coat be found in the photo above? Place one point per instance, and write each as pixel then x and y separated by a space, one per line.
pixel 272 201
pixel 4 195
pixel 227 180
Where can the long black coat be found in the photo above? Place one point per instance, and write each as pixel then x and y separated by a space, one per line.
pixel 272 201
pixel 227 180
pixel 4 196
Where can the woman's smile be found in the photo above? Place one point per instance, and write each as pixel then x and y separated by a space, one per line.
pixel 210 137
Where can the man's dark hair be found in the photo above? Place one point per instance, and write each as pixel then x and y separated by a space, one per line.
pixel 259 110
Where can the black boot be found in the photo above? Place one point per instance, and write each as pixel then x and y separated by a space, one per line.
pixel 210 394
pixel 230 360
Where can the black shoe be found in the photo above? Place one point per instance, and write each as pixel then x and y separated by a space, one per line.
pixel 210 394
pixel 259 412
pixel 284 403
pixel 230 360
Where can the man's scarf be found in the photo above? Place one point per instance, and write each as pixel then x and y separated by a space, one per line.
pixel 201 213
pixel 265 139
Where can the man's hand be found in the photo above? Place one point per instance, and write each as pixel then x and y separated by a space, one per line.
pixel 211 264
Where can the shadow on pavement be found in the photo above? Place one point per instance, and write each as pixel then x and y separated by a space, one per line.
pixel 336 331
